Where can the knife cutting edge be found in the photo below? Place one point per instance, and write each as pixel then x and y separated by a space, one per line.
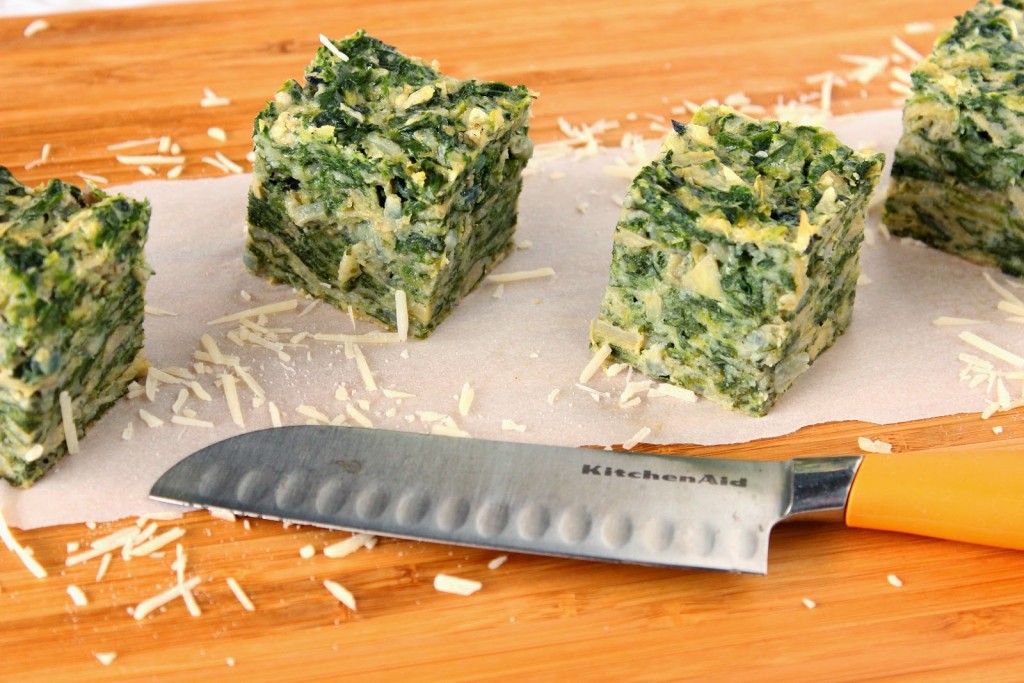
pixel 710 513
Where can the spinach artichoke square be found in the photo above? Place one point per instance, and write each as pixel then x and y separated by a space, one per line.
pixel 958 171
pixel 736 256
pixel 380 175
pixel 72 283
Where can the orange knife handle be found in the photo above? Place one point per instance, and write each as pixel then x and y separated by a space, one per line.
pixel 976 497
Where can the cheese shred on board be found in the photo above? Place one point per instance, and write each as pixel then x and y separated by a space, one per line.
pixel 144 608
pixel 411 186
pixel 342 594
pixel 446 583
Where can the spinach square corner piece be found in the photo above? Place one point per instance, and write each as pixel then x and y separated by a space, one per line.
pixel 380 175
pixel 736 256
pixel 958 171
pixel 72 282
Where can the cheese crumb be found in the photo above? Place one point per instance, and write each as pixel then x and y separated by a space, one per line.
pixel 343 595
pixel 148 418
pixel 44 156
pixel 466 399
pixel 809 604
pixel 518 276
pixel 212 99
pixel 222 514
pixel 455 585
pixel 241 595
pixel 401 315
pixel 144 608
pixel 512 426
pixel 348 546
pixel 23 552
pixel 35 26
pixel 991 349
pixel 101 571
pixel 497 562
pixel 77 596
pixel 332 48
pixel 869 446
pixel 105 658
pixel 217 134
pixel 894 581
pixel 595 362
pixel 947 321
pixel 634 440
pixel 307 551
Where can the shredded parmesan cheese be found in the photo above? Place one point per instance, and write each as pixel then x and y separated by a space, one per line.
pixel 158 542
pixel 512 426
pixel 222 514
pixel 44 156
pixel 991 349
pixel 229 164
pixel 361 419
pixel 873 446
pixel 101 571
pixel 144 608
pixel 364 369
pixel 24 553
pixel 266 309
pixel 241 595
pixel 348 546
pixel 466 399
pixel 105 658
pixel 401 315
pixel 212 99
pixel 92 178
pixel 150 419
pixel 497 562
pixel 341 593
pixel 599 357
pixel 458 586
pixel 230 386
pixel 906 50
pixel 521 275
pixel 332 48
pixel 642 434
pixel 77 596
pixel 217 134
pixel 946 321
pixel 307 551
pixel 33 453
pixel 894 581
pixel 35 26
pixel 150 159
pixel 186 421
pixel 809 604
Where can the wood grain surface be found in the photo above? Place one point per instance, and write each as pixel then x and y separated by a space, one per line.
pixel 93 79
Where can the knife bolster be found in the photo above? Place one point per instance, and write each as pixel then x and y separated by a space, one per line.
pixel 821 487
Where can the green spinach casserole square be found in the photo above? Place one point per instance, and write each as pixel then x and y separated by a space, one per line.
pixel 379 175
pixel 72 281
pixel 736 256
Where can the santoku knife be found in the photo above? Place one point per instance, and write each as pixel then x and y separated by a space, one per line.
pixel 617 506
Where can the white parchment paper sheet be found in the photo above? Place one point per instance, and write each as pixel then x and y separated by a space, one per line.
pixel 892 365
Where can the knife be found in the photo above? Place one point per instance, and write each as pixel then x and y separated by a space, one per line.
pixel 648 509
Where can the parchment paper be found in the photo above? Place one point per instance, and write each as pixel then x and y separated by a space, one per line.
pixel 892 365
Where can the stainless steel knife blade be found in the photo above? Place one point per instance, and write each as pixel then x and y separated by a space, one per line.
pixel 584 503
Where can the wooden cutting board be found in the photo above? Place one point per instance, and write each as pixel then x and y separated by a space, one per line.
pixel 97 78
